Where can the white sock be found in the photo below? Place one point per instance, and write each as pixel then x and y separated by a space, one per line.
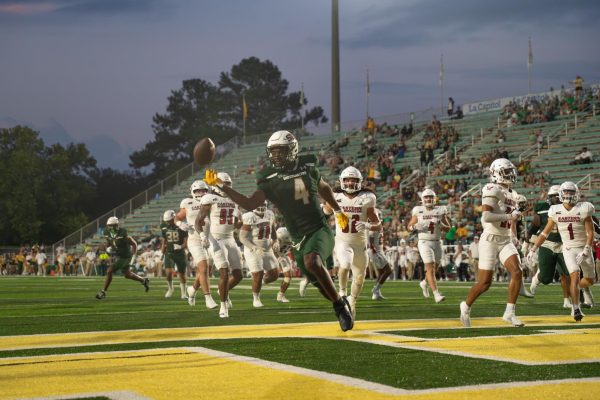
pixel 256 296
pixel 575 306
pixel 377 286
pixel 183 289
pixel 436 293
pixel 510 308
pixel 343 276
pixel 535 280
pixel 170 283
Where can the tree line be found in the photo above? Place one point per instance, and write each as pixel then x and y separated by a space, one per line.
pixel 49 191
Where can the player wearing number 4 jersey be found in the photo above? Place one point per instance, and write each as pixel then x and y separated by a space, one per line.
pixel 293 184
pixel 576 229
pixel 351 240
pixel 499 212
pixel 224 217
pixel 428 220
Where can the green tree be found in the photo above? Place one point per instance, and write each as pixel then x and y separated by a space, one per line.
pixel 193 112
pixel 270 107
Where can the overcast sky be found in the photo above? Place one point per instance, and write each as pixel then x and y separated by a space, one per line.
pixel 97 71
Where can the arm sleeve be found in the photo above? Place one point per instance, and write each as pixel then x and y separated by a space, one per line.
pixel 488 216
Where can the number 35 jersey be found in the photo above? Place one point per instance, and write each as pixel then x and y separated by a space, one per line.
pixel 503 201
pixel 295 193
pixel 223 213
pixel 570 223
pixel 432 217
pixel 356 209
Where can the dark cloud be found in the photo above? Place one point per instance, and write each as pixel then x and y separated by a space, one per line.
pixel 400 25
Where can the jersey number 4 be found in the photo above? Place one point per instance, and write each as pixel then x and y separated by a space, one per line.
pixel 300 191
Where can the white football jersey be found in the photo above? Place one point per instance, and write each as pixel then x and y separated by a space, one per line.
pixel 504 202
pixel 433 217
pixel 262 227
pixel 356 210
pixel 285 241
pixel 223 212
pixel 192 209
pixel 570 223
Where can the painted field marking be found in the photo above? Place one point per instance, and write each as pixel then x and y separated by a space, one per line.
pixel 198 372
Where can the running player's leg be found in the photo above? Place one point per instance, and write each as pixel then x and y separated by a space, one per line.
pixel 181 265
pixel 344 254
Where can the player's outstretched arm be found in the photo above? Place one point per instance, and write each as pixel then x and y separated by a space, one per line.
pixel 247 203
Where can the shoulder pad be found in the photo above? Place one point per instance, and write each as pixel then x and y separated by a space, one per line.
pixel 307 159
pixel 266 172
pixel 491 190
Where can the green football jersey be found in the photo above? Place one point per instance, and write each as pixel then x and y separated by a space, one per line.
pixel 295 193
pixel 541 209
pixel 172 236
pixel 117 239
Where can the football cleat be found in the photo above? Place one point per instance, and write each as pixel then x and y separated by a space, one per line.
pixel 423 285
pixel 465 314
pixel 281 298
pixel 439 298
pixel 191 296
pixel 352 303
pixel 210 302
pixel 512 319
pixel 101 295
pixel 533 287
pixel 523 292
pixel 146 284
pixel 377 294
pixel 567 303
pixel 344 314
pixel 223 312
pixel 256 303
pixel 577 315
pixel 169 293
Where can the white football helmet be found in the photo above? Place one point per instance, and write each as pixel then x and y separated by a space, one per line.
pixel 260 210
pixel 198 185
pixel 428 197
pixel 169 215
pixel 282 160
pixel 503 171
pixel 351 186
pixel 226 179
pixel 283 234
pixel 553 197
pixel 568 193
pixel 402 242
pixel 112 224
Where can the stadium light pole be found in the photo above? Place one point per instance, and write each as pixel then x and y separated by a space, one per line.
pixel 335 68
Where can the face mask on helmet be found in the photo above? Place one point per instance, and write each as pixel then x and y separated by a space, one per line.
pixel 226 179
pixel 112 224
pixel 428 198
pixel 503 171
pixel 568 193
pixel 522 203
pixel 169 215
pixel 260 210
pixel 553 195
pixel 282 150
pixel 198 189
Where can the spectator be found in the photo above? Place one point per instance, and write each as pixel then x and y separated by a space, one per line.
pixel 450 106
pixel 584 157
pixel 578 83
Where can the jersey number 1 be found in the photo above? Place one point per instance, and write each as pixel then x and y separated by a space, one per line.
pixel 300 191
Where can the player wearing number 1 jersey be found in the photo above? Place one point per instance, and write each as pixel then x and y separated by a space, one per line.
pixel 351 240
pixel 428 220
pixel 224 218
pixel 499 214
pixel 574 221
pixel 293 184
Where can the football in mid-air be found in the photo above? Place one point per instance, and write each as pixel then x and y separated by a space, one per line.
pixel 204 152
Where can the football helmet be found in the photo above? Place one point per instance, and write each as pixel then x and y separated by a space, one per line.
pixel 351 180
pixel 283 234
pixel 568 193
pixel 260 210
pixel 201 186
pixel 553 195
pixel 282 150
pixel 521 202
pixel 169 215
pixel 503 171
pixel 226 179
pixel 402 242
pixel 112 223
pixel 429 198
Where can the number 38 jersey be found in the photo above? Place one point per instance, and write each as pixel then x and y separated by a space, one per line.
pixel 503 201
pixel 223 213
pixel 570 223
pixel 295 193
pixel 432 217
pixel 261 227
pixel 356 210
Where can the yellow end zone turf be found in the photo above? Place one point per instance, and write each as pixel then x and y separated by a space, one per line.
pixel 201 373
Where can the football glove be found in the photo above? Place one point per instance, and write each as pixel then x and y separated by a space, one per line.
pixel 515 215
pixel 362 226
pixel 342 219
pixel 210 177
pixel 532 256
pixel 583 255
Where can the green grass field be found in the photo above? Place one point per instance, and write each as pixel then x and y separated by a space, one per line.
pixel 405 343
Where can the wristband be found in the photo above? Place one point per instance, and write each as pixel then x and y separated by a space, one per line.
pixel 544 234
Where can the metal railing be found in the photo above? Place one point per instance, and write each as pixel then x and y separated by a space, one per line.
pixel 588 182
pixel 474 189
